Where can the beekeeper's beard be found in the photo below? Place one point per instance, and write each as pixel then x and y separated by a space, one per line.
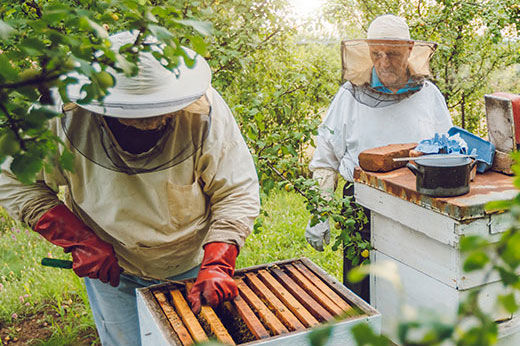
pixel 147 124
pixel 392 78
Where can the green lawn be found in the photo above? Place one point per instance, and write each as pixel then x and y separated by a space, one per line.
pixel 282 236
pixel 55 301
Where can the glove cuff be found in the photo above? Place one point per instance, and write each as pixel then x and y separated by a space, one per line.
pixel 61 227
pixel 221 255
pixel 327 178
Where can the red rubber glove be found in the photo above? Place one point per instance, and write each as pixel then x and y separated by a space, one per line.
pixel 91 256
pixel 215 282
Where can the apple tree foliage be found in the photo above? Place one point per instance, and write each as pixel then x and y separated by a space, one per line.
pixel 43 41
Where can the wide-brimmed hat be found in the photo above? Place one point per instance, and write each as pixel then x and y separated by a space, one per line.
pixel 384 30
pixel 154 91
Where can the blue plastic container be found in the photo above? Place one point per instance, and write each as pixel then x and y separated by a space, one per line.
pixel 485 149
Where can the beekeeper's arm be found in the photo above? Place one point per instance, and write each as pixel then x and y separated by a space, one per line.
pixel 442 115
pixel 230 181
pixel 26 203
pixel 325 163
pixel 38 206
pixel 229 176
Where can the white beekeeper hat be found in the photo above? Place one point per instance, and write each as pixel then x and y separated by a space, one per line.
pixel 357 64
pixel 388 27
pixel 154 91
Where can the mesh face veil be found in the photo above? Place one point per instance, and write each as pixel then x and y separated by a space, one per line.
pixel 178 140
pixel 383 72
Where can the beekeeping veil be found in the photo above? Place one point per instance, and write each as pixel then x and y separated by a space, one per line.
pixel 94 131
pixel 387 35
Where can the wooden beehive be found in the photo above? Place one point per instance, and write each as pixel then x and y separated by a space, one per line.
pixel 278 303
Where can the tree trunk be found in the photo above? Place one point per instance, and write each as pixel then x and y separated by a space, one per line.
pixel 463 111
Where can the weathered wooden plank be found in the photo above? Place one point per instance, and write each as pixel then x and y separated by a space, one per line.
pixel 289 300
pixel 267 317
pixel 189 319
pixel 314 291
pixel 501 122
pixel 175 321
pixel 314 307
pixel 284 314
pixel 214 323
pixel 253 323
pixel 323 287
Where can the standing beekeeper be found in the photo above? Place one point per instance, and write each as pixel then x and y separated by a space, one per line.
pixel 385 100
pixel 162 182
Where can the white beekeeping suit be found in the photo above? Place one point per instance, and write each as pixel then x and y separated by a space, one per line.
pixel 367 112
pixel 163 186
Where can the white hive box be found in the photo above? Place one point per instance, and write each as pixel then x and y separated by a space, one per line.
pixel 420 235
pixel 279 304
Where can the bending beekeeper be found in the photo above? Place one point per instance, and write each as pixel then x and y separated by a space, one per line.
pixel 163 187
pixel 386 99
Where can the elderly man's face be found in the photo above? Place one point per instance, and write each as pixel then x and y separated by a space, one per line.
pixel 390 59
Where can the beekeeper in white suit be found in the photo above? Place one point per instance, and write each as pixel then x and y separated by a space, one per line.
pixel 163 187
pixel 385 100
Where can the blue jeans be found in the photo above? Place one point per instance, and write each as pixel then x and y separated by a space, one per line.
pixel 115 308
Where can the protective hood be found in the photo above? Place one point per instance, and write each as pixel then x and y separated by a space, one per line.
pixel 109 144
pixel 357 64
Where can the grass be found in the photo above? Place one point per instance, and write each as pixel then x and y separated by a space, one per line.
pixel 282 236
pixel 27 288
pixel 56 298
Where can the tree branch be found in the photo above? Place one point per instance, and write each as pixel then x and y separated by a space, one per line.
pixel 38 80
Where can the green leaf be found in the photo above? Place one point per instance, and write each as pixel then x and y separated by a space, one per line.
pixel 320 336
pixel 127 66
pixel 205 28
pixel 498 205
pixel 350 223
pixel 508 277
pixel 198 45
pixel 469 243
pixel 475 261
pixel 55 13
pixel 6 68
pixel 29 92
pixel 9 144
pixel 26 166
pixel 67 160
pixel 160 32
pixel 87 24
pixel 356 275
pixel 364 335
pixel 5 30
pixel 33 46
pixel 39 115
pixel 508 301
pixel 511 254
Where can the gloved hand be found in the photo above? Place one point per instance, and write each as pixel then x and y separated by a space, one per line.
pixel 318 234
pixel 215 282
pixel 91 256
